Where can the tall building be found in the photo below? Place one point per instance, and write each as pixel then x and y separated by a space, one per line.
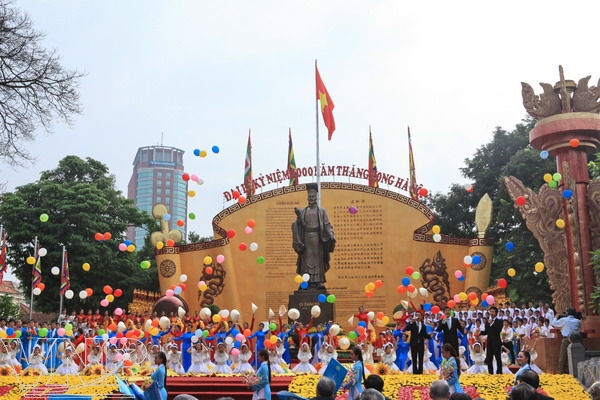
pixel 157 178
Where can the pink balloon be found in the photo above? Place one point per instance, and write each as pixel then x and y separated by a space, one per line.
pixel 235 352
pixel 123 340
pixel 61 331
pixel 456 298
pixel 113 340
pixel 239 337
pixel 118 357
pixel 122 247
pixel 458 274
pixel 220 258
pixel 169 293
pixel 118 311
pixel 248 230
pixel 104 303
pixel 490 299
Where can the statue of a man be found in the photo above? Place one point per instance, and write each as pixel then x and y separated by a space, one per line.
pixel 313 240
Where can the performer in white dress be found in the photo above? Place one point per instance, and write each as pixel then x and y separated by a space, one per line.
pixel 280 348
pixel 95 357
pixel 4 355
pixel 463 361
pixel 304 355
pixel 36 360
pixel 68 366
pixel 198 360
pixel 534 355
pixel 111 358
pixel 14 350
pixel 478 356
pixel 244 357
pixel 428 365
pixel 273 362
pixel 221 358
pixel 367 351
pixel 389 356
pixel 174 360
pixel 505 357
pixel 328 353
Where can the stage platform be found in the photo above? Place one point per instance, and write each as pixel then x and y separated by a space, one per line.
pixel 211 388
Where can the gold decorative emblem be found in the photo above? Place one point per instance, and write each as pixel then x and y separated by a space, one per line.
pixel 167 268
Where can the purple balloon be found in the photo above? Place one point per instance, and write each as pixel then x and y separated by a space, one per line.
pixel 352 210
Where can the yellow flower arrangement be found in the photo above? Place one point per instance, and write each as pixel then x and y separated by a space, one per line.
pixel 382 369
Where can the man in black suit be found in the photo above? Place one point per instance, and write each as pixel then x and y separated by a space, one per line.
pixel 493 327
pixel 418 336
pixel 450 327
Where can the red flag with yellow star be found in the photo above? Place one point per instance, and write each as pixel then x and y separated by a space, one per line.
pixel 326 104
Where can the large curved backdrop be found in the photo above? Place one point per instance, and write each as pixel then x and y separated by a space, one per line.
pixel 388 232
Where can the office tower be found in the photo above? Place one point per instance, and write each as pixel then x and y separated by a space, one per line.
pixel 157 178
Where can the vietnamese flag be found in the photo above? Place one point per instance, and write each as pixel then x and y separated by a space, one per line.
pixel 326 104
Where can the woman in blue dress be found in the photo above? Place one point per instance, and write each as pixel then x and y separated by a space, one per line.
pixel 524 360
pixel 449 369
pixel 355 385
pixel 160 374
pixel 262 389
pixel 402 349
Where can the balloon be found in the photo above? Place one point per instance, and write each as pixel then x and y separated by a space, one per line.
pixel 401 289
pixel 205 313
pixel 177 290
pixel 217 318
pixel 294 314
pixel 322 298
pixel 476 259
pixel 43 332
pixel 469 187
pixel 344 343
pixel 560 223
pixel 98 236
pixel 253 246
pixel 423 192
pixel 484 304
pixel 315 311
pixel 511 272
pixel 243 246
pixel 544 154
pixel 472 296
pixel 241 199
pixel 556 177
pixel 183 278
pixel 352 335
pixel 122 246
pixel 436 229
pixel 462 278
pixel 547 178
pixel 553 184
pixel 458 274
pixel 272 326
pixel 424 292
pixel 427 307
pixel 409 270
pixel 334 329
pixel 37 291
pixel 107 236
pixel 86 266
pixel 378 283
pixel 371 286
pixel 107 289
pixel 110 298
pixel 405 281
pixel 220 258
pixel 468 260
pixel 305 277
pixel 82 294
pixel 248 230
pixel 42 252
pixel 572 143
pixel 331 298
pixel 164 322
pixel 30 260
pixel 462 296
pixel 160 245
pixel 118 293
pixel 180 223
pixel 131 248
pixel 510 246
pixel 501 283
pixel 55 271
pixel 436 309
pixel 490 299
pixel 451 303
pixel 567 194
pixel 411 288
pixel 416 275
pixel 539 267
pixel 170 243
pixel 69 294
pixel 370 316
pixel 385 320
pixel 89 291
pixel 520 201
pixel 352 210
pixel 44 217
pixel 437 237
pixel 208 270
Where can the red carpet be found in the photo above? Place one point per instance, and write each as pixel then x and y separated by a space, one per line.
pixel 211 388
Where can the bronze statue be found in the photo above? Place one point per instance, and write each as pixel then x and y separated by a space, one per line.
pixel 313 240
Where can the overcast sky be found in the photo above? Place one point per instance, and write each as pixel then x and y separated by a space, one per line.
pixel 203 72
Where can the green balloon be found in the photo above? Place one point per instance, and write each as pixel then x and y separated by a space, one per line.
pixel 192 216
pixel 272 326
pixel 352 335
pixel 416 275
pixel 552 184
pixel 68 327
pixel 44 217
pixel 331 298
pixel 43 332
pixel 260 260
pixel 205 333
pixel 557 176
pixel 101 332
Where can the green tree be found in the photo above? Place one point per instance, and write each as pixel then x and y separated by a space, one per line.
pixel 193 237
pixel 508 153
pixel 10 310
pixel 80 199
pixel 35 89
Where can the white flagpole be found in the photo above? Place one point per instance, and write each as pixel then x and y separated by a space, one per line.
pixel 62 271
pixel 318 159
pixel 35 255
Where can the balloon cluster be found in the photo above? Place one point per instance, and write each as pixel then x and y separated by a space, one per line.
pixel 552 179
pixel 406 285
pixel 330 298
pixel 194 178
pixel 437 237
pixel 175 290
pixel 240 199
pixel 127 246
pixel 371 286
pixel 168 243
pixel 203 153
pixel 302 280
pixel 102 237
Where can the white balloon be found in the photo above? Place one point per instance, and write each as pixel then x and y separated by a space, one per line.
pixel 69 294
pixel 315 311
pixel 105 337
pixel 468 260
pixel 424 292
pixel 305 277
pixel 121 326
pixel 181 312
pixel 294 314
pixel 82 294
pixel 126 356
pixel 147 325
pixel 37 291
pixel 370 315
pixel 55 271
pixel 183 278
pixel 344 343
pixel 205 313
pixel 42 252
pixel 253 246
pixel 164 322
pixel 80 348
pixel 437 237
pixel 228 340
pixel 235 315
pixel 194 339
pixel 334 329
pixel 224 313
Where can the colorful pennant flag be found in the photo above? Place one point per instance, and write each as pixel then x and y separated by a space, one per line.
pixel 3 258
pixel 291 167
pixel 326 104
pixel 372 163
pixel 65 281
pixel 248 169
pixel 37 269
pixel 413 189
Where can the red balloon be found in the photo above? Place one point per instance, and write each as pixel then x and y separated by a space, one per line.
pixel 243 246
pixel 182 286
pixel 170 243
pixel 241 199
pixel 409 270
pixel 236 194
pixel 502 283
pixel 574 142
pixel 230 233
pixel 98 236
pixel 521 201
pixel 401 289
pixel 247 332
pixel 369 294
pixel 378 284
pixel 118 293
pixel 208 270
pixel 423 192
pixel 107 236
pixel 251 223
pixel 435 309
pixel 107 289
pixel 186 176
pixel 180 223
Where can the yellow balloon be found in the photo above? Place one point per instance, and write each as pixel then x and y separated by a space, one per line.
pixel 2 334
pixel 110 298
pixel 436 229
pixel 160 245
pixel 216 318
pixel 463 296
pixel 511 272
pixel 539 267
pixel 203 287
pixel 191 193
pixel 30 260
pixel 86 266
pixel 207 260
pixel 560 223
pixel 131 248
pixel 547 178
pixel 371 286
pixel 298 279
pixel 385 320
pixel 273 339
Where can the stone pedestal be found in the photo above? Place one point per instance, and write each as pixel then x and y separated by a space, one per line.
pixel 304 300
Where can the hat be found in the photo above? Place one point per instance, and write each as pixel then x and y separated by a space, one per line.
pixel 312 186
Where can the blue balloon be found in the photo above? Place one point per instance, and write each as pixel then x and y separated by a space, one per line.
pixel 510 246
pixel 237 344
pixel 476 260
pixel 215 149
pixel 427 307
pixel 567 194
pixel 127 242
pixel 234 332
pixel 462 278
pixel 322 298
pixel 363 324
pixel 304 285
pixel 197 152
pixel 9 331
pixel 484 304
pixel 544 154
pixel 405 281
pixel 167 217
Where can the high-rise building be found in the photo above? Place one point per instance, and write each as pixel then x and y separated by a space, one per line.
pixel 157 178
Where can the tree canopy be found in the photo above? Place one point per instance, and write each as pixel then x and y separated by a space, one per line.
pixel 35 89
pixel 508 153
pixel 80 200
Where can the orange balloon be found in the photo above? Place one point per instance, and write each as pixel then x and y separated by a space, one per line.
pixel 98 236
pixel 251 223
pixel 155 322
pixel 472 296
pixel 89 291
pixel 378 283
pixel 360 329
pixel 107 236
pixel 208 270
pixel 112 327
pixel 451 303
pixel 107 289
pixel 380 315
pixel 484 296
pixel 401 289
pixel 411 288
pixel 247 332
pixel 369 294
pixel 41 286
pixel 170 243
